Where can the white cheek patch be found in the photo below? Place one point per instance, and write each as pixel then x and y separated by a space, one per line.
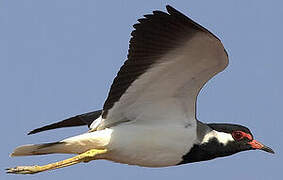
pixel 222 137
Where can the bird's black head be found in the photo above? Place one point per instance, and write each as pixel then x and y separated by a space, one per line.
pixel 223 140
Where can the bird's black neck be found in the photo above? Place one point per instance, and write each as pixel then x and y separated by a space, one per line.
pixel 207 151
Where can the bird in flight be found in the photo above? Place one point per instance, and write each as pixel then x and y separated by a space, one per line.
pixel 149 117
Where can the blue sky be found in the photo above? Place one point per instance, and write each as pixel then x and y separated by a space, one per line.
pixel 58 59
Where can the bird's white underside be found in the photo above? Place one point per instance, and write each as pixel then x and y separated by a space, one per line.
pixel 138 143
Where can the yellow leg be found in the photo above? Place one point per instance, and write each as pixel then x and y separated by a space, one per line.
pixel 84 157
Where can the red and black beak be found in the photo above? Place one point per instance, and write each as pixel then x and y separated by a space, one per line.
pixel 257 145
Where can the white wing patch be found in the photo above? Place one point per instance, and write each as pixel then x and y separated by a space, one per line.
pixel 94 125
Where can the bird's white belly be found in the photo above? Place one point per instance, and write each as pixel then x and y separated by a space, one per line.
pixel 153 145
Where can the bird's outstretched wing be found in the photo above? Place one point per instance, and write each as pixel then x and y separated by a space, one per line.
pixel 170 58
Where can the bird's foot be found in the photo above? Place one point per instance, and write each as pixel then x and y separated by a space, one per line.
pixel 84 157
pixel 23 170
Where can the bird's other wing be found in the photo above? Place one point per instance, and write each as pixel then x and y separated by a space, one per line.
pixel 79 120
pixel 170 58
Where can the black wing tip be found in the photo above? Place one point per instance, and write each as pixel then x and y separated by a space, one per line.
pixel 32 132
pixel 158 13
pixel 173 11
pixel 37 130
pixel 56 125
pixel 79 120
pixel 170 8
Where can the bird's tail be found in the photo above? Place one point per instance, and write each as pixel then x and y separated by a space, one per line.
pixel 39 149
pixel 73 145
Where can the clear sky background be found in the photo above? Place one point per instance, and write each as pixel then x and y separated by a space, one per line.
pixel 58 59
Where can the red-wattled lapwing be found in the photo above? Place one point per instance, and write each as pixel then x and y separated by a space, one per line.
pixel 148 118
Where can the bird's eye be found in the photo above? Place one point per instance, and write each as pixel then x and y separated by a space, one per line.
pixel 237 135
